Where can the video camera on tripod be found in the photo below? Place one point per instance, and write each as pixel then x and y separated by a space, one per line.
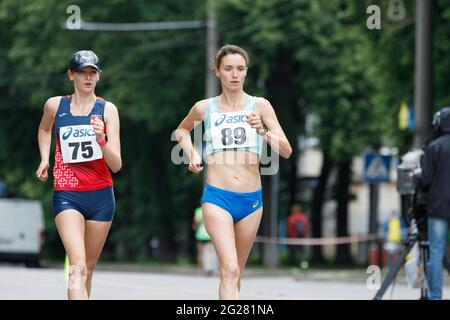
pixel 408 176
pixel 408 171
pixel 414 197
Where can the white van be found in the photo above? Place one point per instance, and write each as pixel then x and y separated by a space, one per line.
pixel 21 231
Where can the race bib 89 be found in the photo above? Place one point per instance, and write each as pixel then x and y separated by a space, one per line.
pixel 231 130
pixel 78 144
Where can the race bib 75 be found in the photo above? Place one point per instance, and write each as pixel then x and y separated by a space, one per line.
pixel 78 144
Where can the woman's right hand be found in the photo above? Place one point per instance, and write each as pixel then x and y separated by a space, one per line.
pixel 195 164
pixel 42 171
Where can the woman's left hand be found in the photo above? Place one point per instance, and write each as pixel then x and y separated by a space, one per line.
pixel 254 120
pixel 99 128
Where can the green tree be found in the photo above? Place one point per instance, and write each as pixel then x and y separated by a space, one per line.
pixel 315 60
pixel 153 78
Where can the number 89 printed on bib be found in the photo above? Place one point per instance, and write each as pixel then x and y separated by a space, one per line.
pixel 78 144
pixel 231 130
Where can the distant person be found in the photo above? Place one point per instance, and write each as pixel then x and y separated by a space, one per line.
pixel 435 180
pixel 232 200
pixel 298 226
pixel 394 232
pixel 206 256
pixel 87 140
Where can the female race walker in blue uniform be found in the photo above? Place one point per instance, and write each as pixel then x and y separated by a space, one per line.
pixel 86 129
pixel 235 126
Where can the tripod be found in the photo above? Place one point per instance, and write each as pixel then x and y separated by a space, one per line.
pixel 417 233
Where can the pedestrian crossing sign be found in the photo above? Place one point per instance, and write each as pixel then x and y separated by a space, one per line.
pixel 376 167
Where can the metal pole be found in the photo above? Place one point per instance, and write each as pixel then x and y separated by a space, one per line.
pixel 373 218
pixel 273 257
pixel 212 87
pixel 270 250
pixel 373 208
pixel 423 99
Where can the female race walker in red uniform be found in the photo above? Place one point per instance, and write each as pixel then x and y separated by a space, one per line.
pixel 235 126
pixel 87 147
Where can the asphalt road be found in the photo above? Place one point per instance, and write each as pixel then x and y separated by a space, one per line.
pixel 49 284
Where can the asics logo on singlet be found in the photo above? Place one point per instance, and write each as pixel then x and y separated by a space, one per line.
pixel 230 119
pixel 77 133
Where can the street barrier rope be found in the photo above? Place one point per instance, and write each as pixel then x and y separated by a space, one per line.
pixel 318 241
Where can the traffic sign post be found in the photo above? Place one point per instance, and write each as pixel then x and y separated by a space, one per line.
pixel 376 171
pixel 376 168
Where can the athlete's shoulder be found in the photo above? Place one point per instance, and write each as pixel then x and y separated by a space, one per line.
pixel 261 101
pixel 111 111
pixel 262 104
pixel 52 103
pixel 109 104
pixel 200 106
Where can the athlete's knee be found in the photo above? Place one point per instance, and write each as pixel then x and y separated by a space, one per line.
pixel 77 276
pixel 231 271
pixel 90 270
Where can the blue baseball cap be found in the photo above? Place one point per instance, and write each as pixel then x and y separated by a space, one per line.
pixel 82 59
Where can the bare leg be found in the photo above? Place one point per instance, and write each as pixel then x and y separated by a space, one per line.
pixel 70 225
pixel 219 225
pixel 245 232
pixel 96 233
